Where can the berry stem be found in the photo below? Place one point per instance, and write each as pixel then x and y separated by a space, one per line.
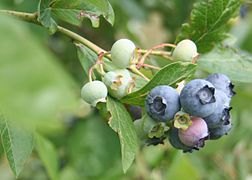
pixel 148 52
pixel 136 71
pixel 90 72
pixel 157 53
pixel 98 62
pixel 151 66
pixel 195 59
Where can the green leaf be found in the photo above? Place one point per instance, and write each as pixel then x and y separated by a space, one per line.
pixel 88 58
pixel 17 143
pixel 45 16
pixel 93 148
pixel 48 155
pixel 122 123
pixel 169 75
pixel 35 88
pixel 207 22
pixel 233 63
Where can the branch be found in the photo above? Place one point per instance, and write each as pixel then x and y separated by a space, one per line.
pixel 32 18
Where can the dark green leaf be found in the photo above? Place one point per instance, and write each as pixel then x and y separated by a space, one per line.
pixel 17 143
pixel 122 123
pixel 169 75
pixel 45 16
pixel 48 156
pixel 207 22
pixel 236 65
pixel 74 11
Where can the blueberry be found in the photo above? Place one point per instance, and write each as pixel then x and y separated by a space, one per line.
pixel 94 92
pixel 222 111
pixel 221 130
pixel 118 82
pixel 222 82
pixel 162 103
pixel 176 142
pixel 135 111
pixel 185 50
pixel 122 52
pixel 196 134
pixel 198 98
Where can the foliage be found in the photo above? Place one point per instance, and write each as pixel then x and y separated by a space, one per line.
pixel 207 22
pixel 42 113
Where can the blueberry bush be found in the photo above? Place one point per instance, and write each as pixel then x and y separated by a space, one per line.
pixel 169 98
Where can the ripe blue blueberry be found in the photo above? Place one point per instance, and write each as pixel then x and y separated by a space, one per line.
pixel 135 111
pixel 94 92
pixel 221 115
pixel 122 52
pixel 219 131
pixel 176 142
pixel 222 82
pixel 198 98
pixel 195 135
pixel 162 103
pixel 118 82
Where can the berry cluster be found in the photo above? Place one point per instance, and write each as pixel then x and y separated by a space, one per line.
pixel 117 83
pixel 188 117
pixel 201 111
pixel 125 56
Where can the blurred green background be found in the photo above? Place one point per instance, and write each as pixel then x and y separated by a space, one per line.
pixel 41 78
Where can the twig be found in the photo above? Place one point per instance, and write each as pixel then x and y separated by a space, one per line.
pixel 32 18
pixel 141 61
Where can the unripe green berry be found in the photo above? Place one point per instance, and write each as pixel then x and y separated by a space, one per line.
pixel 94 92
pixel 185 50
pixel 122 52
pixel 118 82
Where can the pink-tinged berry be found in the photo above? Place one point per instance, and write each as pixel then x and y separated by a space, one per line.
pixel 196 134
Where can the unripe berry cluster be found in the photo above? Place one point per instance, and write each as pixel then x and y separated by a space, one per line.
pixel 201 111
pixel 117 82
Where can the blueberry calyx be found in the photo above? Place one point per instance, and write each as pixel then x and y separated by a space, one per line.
pixel 206 95
pixel 231 87
pixel 159 105
pixel 226 115
pixel 155 141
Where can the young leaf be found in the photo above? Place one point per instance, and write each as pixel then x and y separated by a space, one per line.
pixel 207 22
pixel 169 75
pixel 122 123
pixel 17 143
pixel 45 16
pixel 235 64
pixel 48 156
